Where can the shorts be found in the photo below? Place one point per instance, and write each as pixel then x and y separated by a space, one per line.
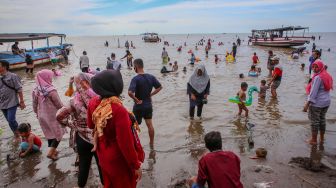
pixel 146 113
pixel 53 61
pixel 276 84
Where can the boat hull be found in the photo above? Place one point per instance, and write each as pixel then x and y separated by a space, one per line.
pixel 39 56
pixel 280 42
pixel 41 61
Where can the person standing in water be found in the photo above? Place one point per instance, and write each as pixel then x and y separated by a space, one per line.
pixel 113 63
pixel 318 100
pixel 315 56
pixel 276 76
pixel 198 89
pixel 234 50
pixel 164 56
pixel 270 65
pixel 11 96
pixel 84 62
pixel 129 58
pixel 140 90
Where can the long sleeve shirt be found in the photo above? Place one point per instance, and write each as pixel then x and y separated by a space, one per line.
pixel 318 96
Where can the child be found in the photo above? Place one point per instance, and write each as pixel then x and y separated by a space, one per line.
pixel 216 59
pixel 30 143
pixel 263 88
pixel 253 70
pixel 192 59
pixel 255 58
pixel 242 98
pixel 241 75
pixel 302 66
pixel 184 69
pixel 218 168
pixel 175 66
pixel 30 64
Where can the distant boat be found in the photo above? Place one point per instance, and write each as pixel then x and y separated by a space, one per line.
pixel 279 37
pixel 150 37
pixel 39 55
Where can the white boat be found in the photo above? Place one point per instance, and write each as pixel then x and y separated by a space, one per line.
pixel 150 37
pixel 279 37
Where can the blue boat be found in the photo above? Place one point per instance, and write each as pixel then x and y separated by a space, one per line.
pixel 39 55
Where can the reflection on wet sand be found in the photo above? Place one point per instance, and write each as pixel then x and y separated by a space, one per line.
pixel 196 134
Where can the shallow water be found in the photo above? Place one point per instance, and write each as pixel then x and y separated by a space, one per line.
pixel 280 125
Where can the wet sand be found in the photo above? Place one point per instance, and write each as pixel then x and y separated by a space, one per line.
pixel 280 125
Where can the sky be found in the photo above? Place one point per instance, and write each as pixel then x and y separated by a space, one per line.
pixel 119 17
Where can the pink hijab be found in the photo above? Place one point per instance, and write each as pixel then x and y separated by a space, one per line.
pixel 43 82
pixel 324 75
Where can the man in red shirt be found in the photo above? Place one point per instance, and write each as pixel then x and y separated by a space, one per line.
pixel 219 169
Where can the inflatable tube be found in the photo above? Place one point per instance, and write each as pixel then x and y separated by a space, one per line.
pixel 248 102
pixel 230 59
pixel 197 59
pixel 253 74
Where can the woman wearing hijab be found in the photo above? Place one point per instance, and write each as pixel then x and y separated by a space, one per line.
pixel 318 100
pixel 119 149
pixel 198 90
pixel 46 102
pixel 74 115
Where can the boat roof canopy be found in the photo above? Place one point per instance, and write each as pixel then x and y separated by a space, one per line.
pixel 149 34
pixel 289 28
pixel 16 37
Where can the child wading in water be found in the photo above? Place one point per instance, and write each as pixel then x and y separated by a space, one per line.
pixel 30 142
pixel 263 88
pixel 216 59
pixel 242 98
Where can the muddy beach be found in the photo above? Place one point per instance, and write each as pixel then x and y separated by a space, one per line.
pixel 280 125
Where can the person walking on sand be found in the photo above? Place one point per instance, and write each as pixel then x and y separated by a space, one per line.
pixel 84 62
pixel 11 96
pixel 118 146
pixel 81 139
pixel 140 90
pixel 318 100
pixel 46 102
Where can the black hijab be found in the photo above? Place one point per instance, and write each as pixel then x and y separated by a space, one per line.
pixel 107 83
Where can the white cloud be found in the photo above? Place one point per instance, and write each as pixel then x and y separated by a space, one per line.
pixel 73 17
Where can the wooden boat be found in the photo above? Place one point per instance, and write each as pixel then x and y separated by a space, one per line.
pixel 150 37
pixel 39 55
pixel 279 37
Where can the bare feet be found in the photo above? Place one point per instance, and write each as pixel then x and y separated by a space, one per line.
pixel 94 148
pixel 53 157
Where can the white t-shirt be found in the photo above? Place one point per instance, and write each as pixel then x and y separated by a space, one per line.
pixel 84 61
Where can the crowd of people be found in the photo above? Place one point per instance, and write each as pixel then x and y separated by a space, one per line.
pixel 101 126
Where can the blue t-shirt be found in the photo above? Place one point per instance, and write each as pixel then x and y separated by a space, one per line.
pixel 142 86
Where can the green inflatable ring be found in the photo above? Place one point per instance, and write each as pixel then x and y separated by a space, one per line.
pixel 248 102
